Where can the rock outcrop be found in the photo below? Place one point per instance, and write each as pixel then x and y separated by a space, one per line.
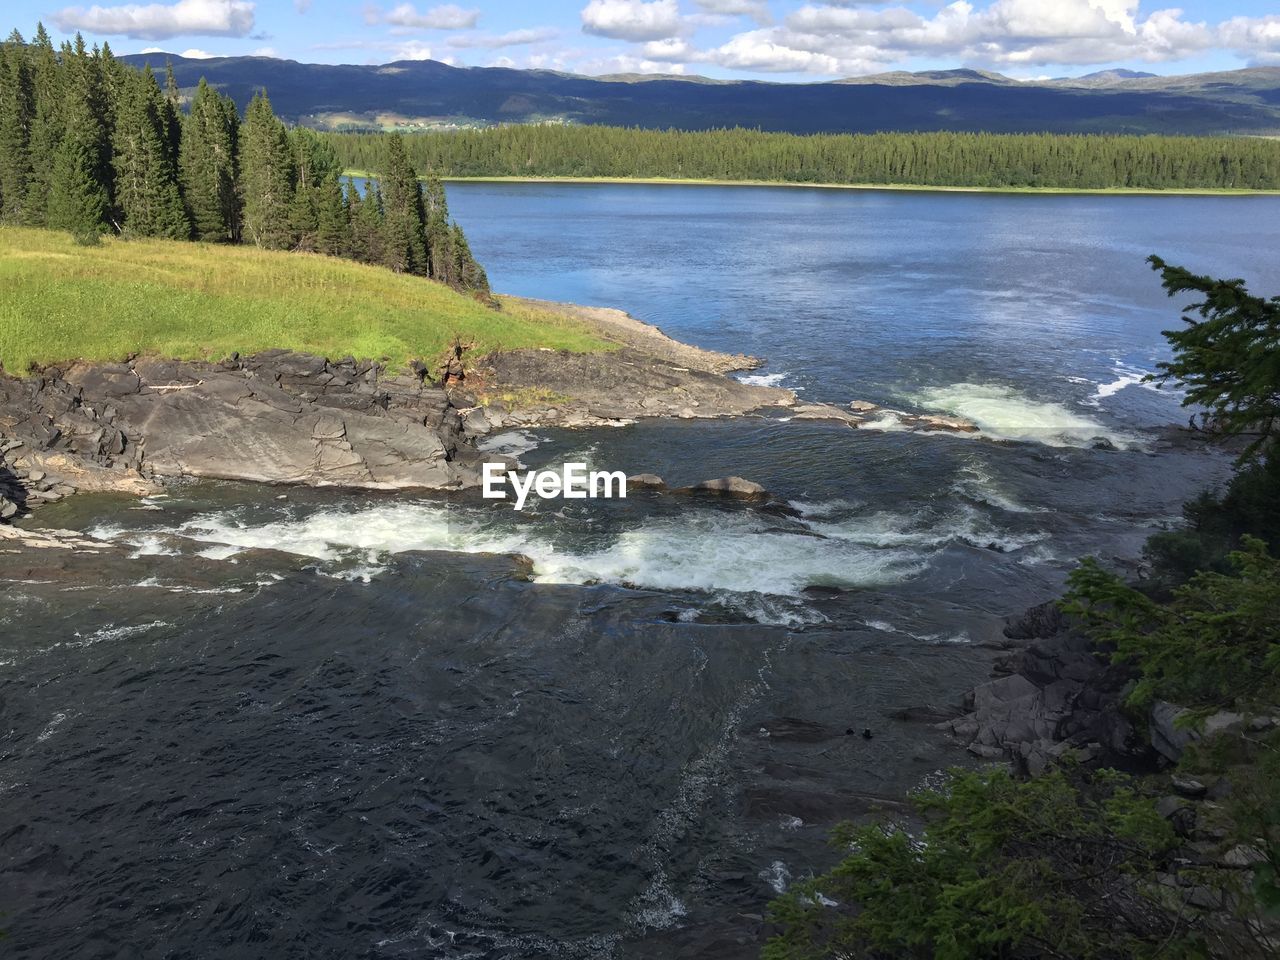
pixel 276 417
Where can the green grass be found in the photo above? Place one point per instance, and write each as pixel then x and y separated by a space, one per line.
pixel 910 187
pixel 60 301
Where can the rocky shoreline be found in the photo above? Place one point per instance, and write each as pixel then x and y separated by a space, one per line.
pixel 287 418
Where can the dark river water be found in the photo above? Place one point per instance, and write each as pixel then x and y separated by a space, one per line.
pixel 351 725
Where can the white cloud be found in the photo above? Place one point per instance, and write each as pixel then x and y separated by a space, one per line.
pixel 512 38
pixel 624 63
pixel 761 50
pixel 852 38
pixel 406 16
pixel 1254 37
pixel 158 21
pixel 194 54
pixel 757 10
pixel 670 50
pixel 267 52
pixel 302 6
pixel 632 19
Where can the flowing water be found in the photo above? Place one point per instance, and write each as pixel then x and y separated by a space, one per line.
pixel 358 725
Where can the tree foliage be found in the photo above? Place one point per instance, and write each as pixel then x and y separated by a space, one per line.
pixel 1229 358
pixel 88 145
pixel 932 159
pixel 1050 867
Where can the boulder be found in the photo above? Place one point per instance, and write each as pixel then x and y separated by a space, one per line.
pixel 651 480
pixel 863 406
pixel 735 487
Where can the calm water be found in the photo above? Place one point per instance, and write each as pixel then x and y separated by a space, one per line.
pixel 356 726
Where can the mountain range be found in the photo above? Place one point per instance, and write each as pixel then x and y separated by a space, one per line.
pixel 425 93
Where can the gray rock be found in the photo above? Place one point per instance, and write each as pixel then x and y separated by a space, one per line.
pixel 1188 787
pixel 651 480
pixel 863 406
pixel 730 487
pixel 1242 856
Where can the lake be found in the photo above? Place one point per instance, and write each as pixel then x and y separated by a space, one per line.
pixel 354 725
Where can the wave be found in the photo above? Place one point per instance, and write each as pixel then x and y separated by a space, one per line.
pixel 1005 414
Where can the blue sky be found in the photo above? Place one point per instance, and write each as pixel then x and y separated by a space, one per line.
pixel 766 39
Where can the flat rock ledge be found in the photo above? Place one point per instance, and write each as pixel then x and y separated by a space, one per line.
pixel 277 417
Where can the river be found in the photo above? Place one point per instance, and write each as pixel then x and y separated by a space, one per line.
pixel 354 725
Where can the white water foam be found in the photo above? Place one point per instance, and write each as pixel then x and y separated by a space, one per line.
pixel 762 379
pixel 1004 414
pixel 512 443
pixel 712 551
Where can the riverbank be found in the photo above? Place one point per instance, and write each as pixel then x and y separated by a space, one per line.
pixel 895 187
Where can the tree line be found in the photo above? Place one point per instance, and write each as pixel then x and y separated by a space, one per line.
pixel 91 145
pixel 926 159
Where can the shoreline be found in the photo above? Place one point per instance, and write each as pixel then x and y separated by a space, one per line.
pixel 891 187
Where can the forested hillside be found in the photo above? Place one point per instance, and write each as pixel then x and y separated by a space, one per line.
pixel 91 145
pixel 424 92
pixel 935 159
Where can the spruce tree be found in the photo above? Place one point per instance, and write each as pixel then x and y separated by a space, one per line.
pixel 171 115
pixel 77 198
pixel 316 165
pixel 439 236
pixel 267 177
pixel 207 166
pixel 367 240
pixel 333 224
pixel 404 218
pixel 470 275
pixel 17 114
pixel 146 180
pixel 46 127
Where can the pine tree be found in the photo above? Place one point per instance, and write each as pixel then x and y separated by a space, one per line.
pixel 207 166
pixel 267 177
pixel 470 275
pixel 17 114
pixel 443 258
pixel 77 198
pixel 367 241
pixel 404 218
pixel 171 115
pixel 333 226
pixel 46 126
pixel 316 164
pixel 146 180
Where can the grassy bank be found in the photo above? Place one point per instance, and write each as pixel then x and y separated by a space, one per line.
pixel 905 187
pixel 60 301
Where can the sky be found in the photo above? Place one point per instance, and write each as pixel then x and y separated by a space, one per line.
pixel 785 40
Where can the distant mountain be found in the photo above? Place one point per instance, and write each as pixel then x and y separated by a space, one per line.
pixel 1105 76
pixel 424 93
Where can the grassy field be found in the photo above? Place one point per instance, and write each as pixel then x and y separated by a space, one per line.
pixel 60 301
pixel 909 187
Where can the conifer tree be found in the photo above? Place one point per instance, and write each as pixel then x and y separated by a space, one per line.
pixel 172 114
pixel 267 177
pixel 404 218
pixel 17 114
pixel 333 223
pixel 367 241
pixel 316 165
pixel 470 275
pixel 207 166
pixel 146 180
pixel 439 236
pixel 77 198
pixel 46 125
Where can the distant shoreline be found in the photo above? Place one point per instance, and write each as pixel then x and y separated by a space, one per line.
pixel 898 187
